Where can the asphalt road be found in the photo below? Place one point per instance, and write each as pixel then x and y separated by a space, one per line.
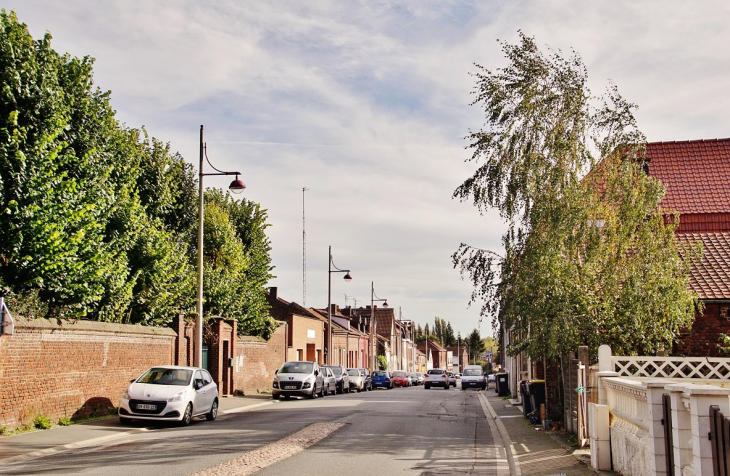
pixel 399 431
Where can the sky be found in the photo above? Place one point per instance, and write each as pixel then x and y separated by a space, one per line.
pixel 366 104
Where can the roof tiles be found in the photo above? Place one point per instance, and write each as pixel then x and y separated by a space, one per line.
pixel 695 173
pixel 711 278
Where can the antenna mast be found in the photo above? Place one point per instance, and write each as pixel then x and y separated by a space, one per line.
pixel 304 253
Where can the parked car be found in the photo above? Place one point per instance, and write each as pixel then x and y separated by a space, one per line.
pixel 300 379
pixel 473 377
pixel 417 378
pixel 357 380
pixel 170 393
pixel 452 379
pixel 382 378
pixel 491 378
pixel 342 378
pixel 401 378
pixel 368 379
pixel 330 381
pixel 436 378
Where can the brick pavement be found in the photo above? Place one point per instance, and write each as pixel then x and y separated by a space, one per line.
pixel 538 452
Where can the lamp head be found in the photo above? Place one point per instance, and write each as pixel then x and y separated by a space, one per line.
pixel 347 277
pixel 237 186
pixel 385 303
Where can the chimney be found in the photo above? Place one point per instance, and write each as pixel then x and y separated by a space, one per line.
pixel 273 291
pixel 334 309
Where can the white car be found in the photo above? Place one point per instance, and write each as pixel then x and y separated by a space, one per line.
pixel 170 393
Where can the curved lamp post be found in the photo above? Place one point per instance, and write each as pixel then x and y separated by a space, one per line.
pixel 347 279
pixel 458 352
pixel 373 344
pixel 236 186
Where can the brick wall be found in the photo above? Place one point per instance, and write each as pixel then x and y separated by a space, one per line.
pixel 702 340
pixel 73 368
pixel 257 360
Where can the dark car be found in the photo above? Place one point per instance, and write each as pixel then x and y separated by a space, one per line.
pixel 382 378
pixel 342 379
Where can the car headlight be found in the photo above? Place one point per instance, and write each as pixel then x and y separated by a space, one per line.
pixel 275 384
pixel 125 394
pixel 178 397
pixel 307 384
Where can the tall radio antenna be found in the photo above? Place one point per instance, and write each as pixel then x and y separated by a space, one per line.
pixel 304 253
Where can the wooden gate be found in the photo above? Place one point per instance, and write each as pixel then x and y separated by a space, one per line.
pixel 668 442
pixel 720 441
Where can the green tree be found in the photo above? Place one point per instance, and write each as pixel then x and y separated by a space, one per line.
pixel 589 259
pixel 59 181
pixel 475 345
pixel 238 262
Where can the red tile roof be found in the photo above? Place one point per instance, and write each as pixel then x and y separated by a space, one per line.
pixel 711 278
pixel 696 174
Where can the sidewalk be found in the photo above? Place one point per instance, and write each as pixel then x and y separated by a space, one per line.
pixel 61 438
pixel 538 452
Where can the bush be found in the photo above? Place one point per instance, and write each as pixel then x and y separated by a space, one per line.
pixel 42 422
pixel 64 421
pixel 382 362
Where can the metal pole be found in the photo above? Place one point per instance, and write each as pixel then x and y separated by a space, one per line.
pixel 329 308
pixel 372 324
pixel 198 361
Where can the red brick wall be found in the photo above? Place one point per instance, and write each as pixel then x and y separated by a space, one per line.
pixel 257 360
pixel 74 369
pixel 702 340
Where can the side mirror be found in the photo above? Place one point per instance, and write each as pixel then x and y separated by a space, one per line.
pixel 316 372
pixel 276 371
pixel 198 385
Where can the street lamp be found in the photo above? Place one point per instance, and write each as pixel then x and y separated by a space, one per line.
pixel 236 186
pixel 458 351
pixel 347 279
pixel 373 344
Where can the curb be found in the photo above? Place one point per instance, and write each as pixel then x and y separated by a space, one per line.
pixel 514 465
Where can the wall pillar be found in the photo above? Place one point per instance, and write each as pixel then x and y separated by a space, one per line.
pixel 681 429
pixel 657 446
pixel 700 399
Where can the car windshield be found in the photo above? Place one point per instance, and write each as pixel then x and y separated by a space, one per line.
pixel 472 372
pixel 400 374
pixel 353 372
pixel 162 376
pixel 297 368
pixel 435 371
pixel 336 370
pixel 380 373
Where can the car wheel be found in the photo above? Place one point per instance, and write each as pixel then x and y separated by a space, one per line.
pixel 314 392
pixel 426 387
pixel 321 391
pixel 276 396
pixel 213 413
pixel 187 416
pixel 125 420
pixel 463 387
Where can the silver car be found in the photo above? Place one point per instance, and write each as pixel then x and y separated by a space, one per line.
pixel 357 380
pixel 330 381
pixel 299 379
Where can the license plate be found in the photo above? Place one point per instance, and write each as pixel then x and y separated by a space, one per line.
pixel 143 406
pixel 289 387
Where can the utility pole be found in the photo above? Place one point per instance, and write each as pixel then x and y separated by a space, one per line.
pixel 304 253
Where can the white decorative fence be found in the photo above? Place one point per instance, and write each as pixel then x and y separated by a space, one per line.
pixel 631 389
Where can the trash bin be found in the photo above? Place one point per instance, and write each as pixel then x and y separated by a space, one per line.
pixel 526 403
pixel 537 395
pixel 502 385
